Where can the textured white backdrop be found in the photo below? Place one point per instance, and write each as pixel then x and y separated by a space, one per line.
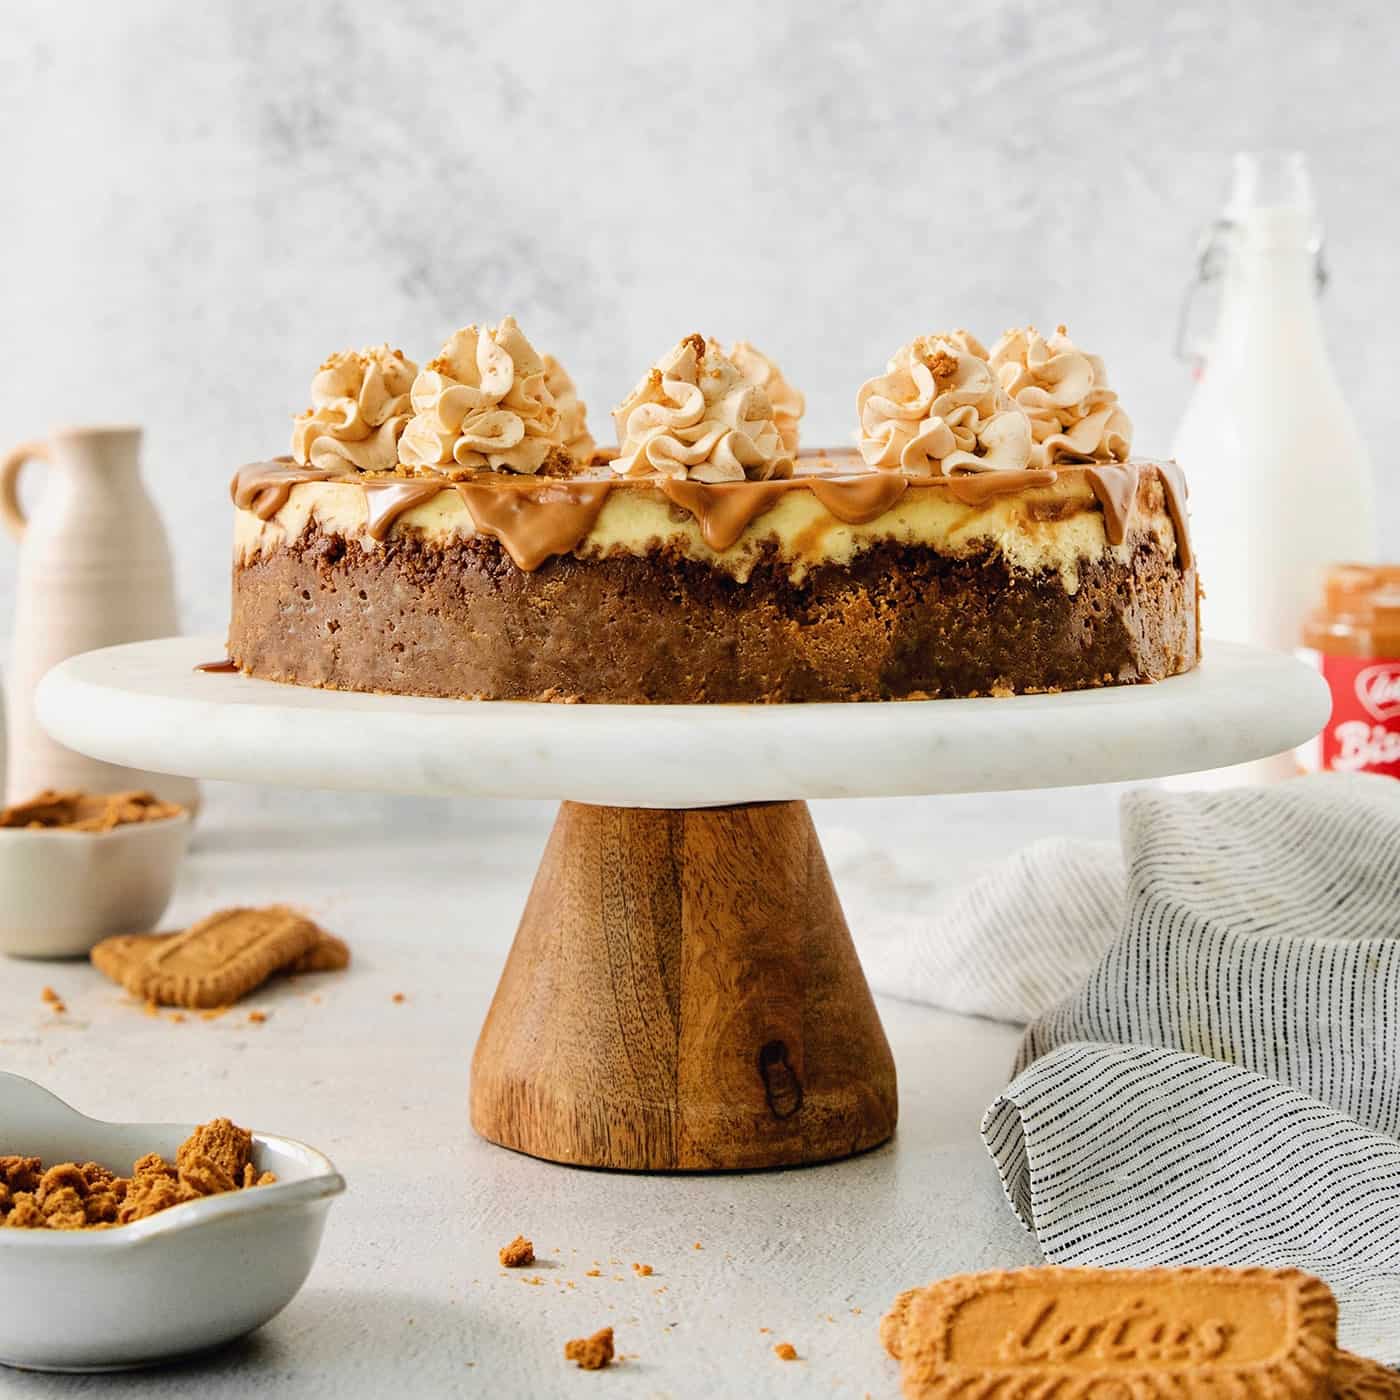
pixel 206 199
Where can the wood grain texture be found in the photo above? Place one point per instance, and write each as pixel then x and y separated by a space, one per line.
pixel 682 995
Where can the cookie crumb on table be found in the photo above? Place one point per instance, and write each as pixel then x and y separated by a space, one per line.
pixel 591 1353
pixel 518 1253
pixel 785 1351
pixel 642 1270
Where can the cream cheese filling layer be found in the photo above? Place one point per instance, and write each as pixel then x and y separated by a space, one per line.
pixel 1057 528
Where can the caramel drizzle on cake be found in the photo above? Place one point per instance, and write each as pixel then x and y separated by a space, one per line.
pixel 535 524
pixel 385 501
pixel 1173 481
pixel 265 487
pixel 723 510
pixel 543 517
pixel 859 500
pixel 1115 484
pixel 977 488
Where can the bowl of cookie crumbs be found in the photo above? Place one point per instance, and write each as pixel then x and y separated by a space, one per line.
pixel 77 867
pixel 128 1244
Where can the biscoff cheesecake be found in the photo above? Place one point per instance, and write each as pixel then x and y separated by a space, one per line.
pixel 990 534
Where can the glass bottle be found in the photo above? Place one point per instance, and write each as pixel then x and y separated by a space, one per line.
pixel 1280 480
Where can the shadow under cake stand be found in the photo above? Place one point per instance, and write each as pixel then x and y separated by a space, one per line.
pixel 682 992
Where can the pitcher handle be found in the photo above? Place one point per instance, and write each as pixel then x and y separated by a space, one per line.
pixel 11 512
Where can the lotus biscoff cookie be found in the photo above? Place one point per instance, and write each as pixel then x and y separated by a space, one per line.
pixel 115 957
pixel 142 962
pixel 330 954
pixel 892 1324
pixel 1356 1378
pixel 1177 1334
pixel 219 959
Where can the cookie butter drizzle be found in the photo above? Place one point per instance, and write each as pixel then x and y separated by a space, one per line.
pixel 976 489
pixel 553 515
pixel 858 500
pixel 264 487
pixel 385 501
pixel 1116 486
pixel 1174 489
pixel 537 522
pixel 723 510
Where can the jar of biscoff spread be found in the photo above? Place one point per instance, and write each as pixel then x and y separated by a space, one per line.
pixel 1355 639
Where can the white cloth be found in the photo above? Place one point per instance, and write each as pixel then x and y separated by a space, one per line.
pixel 1221 1084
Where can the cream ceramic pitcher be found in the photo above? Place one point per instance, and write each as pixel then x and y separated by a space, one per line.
pixel 94 571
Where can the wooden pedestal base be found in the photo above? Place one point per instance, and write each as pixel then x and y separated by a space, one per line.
pixel 683 995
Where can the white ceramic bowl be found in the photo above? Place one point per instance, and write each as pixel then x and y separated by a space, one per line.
pixel 62 891
pixel 193 1277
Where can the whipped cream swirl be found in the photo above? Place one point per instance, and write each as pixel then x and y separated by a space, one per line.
pixel 573 412
pixel 695 415
pixel 1063 390
pixel 484 401
pixel 359 409
pixel 788 403
pixel 939 410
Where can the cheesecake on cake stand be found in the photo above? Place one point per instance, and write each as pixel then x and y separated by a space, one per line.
pixel 447 589
pixel 990 535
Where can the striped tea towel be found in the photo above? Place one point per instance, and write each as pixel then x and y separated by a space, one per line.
pixel 1221 1085
pixel 1225 1086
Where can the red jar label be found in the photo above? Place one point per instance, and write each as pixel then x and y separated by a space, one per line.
pixel 1363 735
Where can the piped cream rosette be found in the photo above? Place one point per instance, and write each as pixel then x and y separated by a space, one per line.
pixel 573 412
pixel 695 415
pixel 788 403
pixel 359 409
pixel 484 401
pixel 1063 391
pixel 938 411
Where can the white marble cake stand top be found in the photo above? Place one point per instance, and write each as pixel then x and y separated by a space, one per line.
pixel 144 705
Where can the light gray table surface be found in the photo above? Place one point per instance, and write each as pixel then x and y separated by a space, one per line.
pixel 407 1298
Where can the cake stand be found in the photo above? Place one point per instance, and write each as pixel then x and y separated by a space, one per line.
pixel 682 993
